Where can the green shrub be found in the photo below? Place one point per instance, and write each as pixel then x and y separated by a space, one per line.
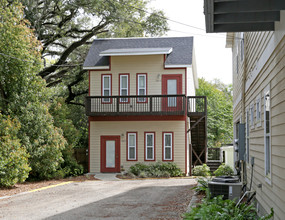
pixel 14 166
pixel 220 209
pixel 201 170
pixel 158 169
pixel 202 186
pixel 224 170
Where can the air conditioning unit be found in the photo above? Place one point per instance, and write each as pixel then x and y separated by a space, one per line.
pixel 228 186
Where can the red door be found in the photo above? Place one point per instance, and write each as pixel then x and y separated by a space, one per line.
pixel 110 154
pixel 172 85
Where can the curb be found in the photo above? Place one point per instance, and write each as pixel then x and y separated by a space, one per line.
pixel 35 190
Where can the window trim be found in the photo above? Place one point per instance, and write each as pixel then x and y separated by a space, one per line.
pixel 145 146
pixel 251 115
pixel 128 89
pixel 163 145
pixel 247 134
pixel 258 109
pixel 137 84
pixel 102 88
pixel 267 176
pixel 242 47
pixel 136 147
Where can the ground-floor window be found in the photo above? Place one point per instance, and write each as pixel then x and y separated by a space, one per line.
pixel 132 145
pixel 267 124
pixel 149 145
pixel 167 146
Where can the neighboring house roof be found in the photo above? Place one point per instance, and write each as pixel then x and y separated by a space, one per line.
pixel 179 50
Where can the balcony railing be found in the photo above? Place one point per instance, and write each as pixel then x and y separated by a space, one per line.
pixel 136 105
pixel 196 105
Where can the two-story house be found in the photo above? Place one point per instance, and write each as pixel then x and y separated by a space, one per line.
pixel 141 94
pixel 256 35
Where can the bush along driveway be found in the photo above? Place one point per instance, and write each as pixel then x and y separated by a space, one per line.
pixel 125 199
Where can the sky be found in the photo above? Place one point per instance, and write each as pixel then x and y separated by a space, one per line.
pixel 213 59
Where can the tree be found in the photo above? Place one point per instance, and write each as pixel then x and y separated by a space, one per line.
pixel 23 94
pixel 220 113
pixel 14 166
pixel 67 27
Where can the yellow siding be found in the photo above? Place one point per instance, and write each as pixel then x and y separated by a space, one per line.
pixel 152 65
pixel 99 128
pixel 273 74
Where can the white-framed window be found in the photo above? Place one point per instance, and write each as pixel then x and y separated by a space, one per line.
pixel 124 87
pixel 141 86
pixel 247 135
pixel 167 145
pixel 251 111
pixel 267 132
pixel 106 87
pixel 242 46
pixel 132 145
pixel 149 145
pixel 258 110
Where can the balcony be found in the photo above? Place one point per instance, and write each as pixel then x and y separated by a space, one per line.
pixel 196 106
pixel 135 105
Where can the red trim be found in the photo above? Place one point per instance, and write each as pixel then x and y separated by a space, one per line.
pixel 89 145
pixel 164 79
pixel 117 167
pixel 146 86
pixel 186 143
pixel 89 72
pixel 124 74
pixel 111 100
pixel 139 118
pixel 127 155
pixel 154 156
pixel 166 132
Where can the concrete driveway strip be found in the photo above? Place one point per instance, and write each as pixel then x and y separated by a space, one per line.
pixel 128 199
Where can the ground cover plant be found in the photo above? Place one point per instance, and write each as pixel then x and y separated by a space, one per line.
pixel 158 169
pixel 220 209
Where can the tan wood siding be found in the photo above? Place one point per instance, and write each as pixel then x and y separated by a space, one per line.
pixel 152 65
pixel 98 128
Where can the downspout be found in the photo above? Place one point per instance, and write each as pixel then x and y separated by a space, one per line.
pixel 243 119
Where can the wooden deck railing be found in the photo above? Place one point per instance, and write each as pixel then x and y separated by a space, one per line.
pixel 136 105
pixel 196 105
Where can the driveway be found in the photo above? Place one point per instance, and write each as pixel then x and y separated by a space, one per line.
pixel 127 199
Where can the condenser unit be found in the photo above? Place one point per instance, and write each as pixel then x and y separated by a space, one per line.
pixel 229 187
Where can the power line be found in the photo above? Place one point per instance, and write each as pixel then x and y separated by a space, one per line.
pixel 30 61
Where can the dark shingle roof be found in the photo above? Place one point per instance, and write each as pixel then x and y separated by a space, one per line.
pixel 181 54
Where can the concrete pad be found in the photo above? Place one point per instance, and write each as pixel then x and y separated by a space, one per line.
pixel 107 176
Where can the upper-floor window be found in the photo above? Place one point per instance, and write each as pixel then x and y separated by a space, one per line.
pixel 241 47
pixel 167 146
pixel 251 109
pixel 258 110
pixel 106 87
pixel 247 135
pixel 267 141
pixel 124 87
pixel 141 86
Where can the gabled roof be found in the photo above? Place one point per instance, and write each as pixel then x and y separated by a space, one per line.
pixel 178 49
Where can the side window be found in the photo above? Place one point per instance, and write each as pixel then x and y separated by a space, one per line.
pixel 267 130
pixel 251 109
pixel 258 110
pixel 247 135
pixel 132 145
pixel 106 82
pixel 141 86
pixel 149 146
pixel 167 146
pixel 124 87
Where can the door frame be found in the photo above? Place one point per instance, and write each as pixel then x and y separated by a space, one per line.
pixel 164 79
pixel 117 167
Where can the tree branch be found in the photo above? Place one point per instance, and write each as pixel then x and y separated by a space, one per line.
pixel 70 49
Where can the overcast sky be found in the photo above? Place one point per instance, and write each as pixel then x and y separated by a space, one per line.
pixel 212 58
